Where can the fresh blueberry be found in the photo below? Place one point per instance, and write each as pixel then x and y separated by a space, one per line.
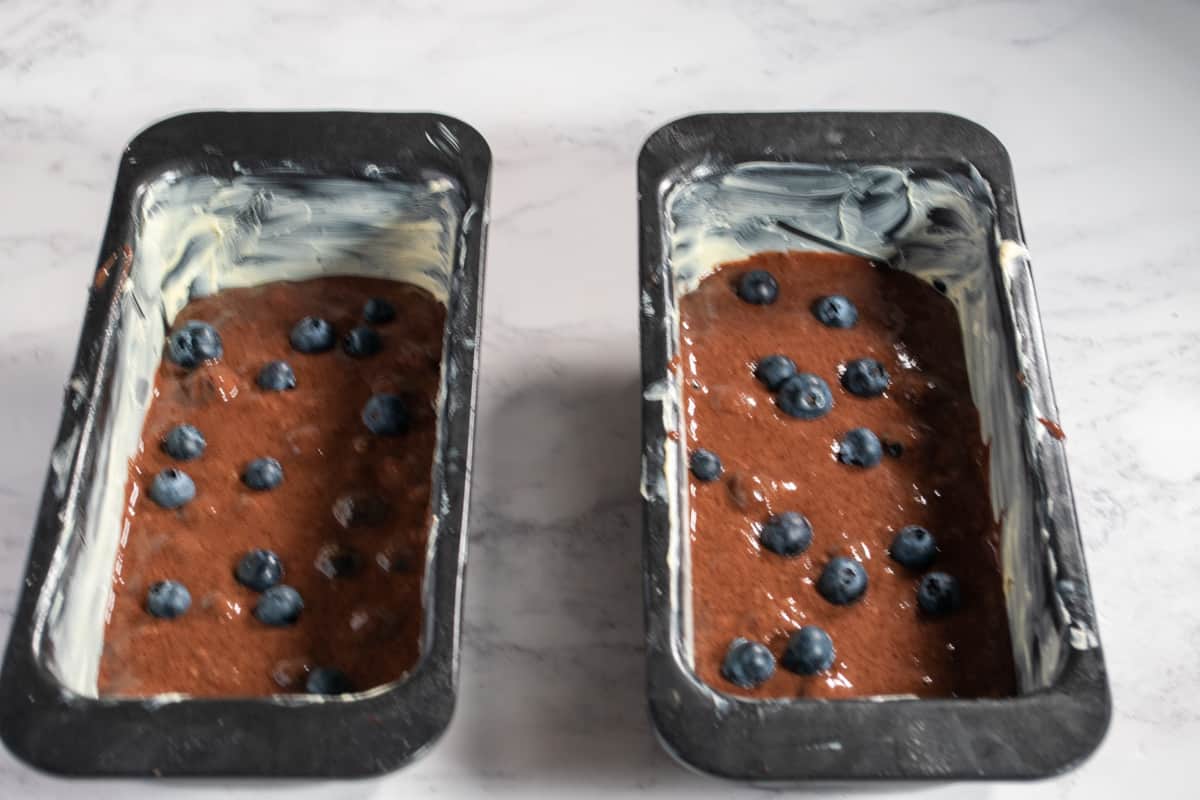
pixel 276 376
pixel 939 594
pixel 805 396
pixel 378 311
pixel 279 605
pixel 836 311
pixel 171 488
pixel 385 415
pixel 168 599
pixel 914 547
pixel 758 287
pixel 747 664
pixel 706 465
pixel 361 342
pixel 809 651
pixel 787 534
pixel 860 448
pixel 193 344
pixel 843 581
pixel 774 370
pixel 327 680
pixel 865 377
pixel 893 449
pixel 312 335
pixel 259 570
pixel 184 442
pixel 263 474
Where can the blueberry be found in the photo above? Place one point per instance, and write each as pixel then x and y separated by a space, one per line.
pixel 865 377
pixel 361 342
pixel 758 287
pixel 312 335
pixel 276 376
pixel 913 547
pixel 809 651
pixel 805 396
pixel 168 599
pixel 836 311
pixel 184 442
pixel 171 488
pixel 263 474
pixel 843 581
pixel 385 415
pixel 774 370
pixel 706 466
pixel 787 534
pixel 747 664
pixel 193 344
pixel 259 570
pixel 938 594
pixel 327 680
pixel 279 605
pixel 893 449
pixel 378 311
pixel 860 448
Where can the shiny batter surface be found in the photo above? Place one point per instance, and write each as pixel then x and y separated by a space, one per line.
pixel 776 463
pixel 359 501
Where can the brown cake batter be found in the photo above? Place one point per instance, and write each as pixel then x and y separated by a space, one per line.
pixel 775 463
pixel 348 498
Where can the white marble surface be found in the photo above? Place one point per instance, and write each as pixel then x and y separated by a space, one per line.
pixel 1098 102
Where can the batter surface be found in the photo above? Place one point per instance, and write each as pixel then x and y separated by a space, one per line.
pixel 349 520
pixel 933 474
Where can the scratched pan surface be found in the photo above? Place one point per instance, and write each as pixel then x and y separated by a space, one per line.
pixel 932 194
pixel 294 195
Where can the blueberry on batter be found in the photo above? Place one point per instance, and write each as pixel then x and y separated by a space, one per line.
pixel 312 335
pixel 362 342
pixel 774 370
pixel 938 594
pixel 168 599
pixel 276 376
pixel 747 664
pixel 193 344
pixel 758 287
pixel 835 311
pixel 706 466
pixel 385 415
pixel 377 311
pixel 860 448
pixel 804 396
pixel 279 605
pixel 263 474
pixel 184 442
pixel 843 581
pixel 259 570
pixel 327 680
pixel 171 488
pixel 865 377
pixel 913 547
pixel 787 534
pixel 809 651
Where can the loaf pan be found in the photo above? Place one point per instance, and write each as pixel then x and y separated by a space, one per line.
pixel 400 195
pixel 933 194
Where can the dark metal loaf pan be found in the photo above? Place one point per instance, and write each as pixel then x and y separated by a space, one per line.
pixel 420 173
pixel 939 190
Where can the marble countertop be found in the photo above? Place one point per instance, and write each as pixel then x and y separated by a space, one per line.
pixel 1098 103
